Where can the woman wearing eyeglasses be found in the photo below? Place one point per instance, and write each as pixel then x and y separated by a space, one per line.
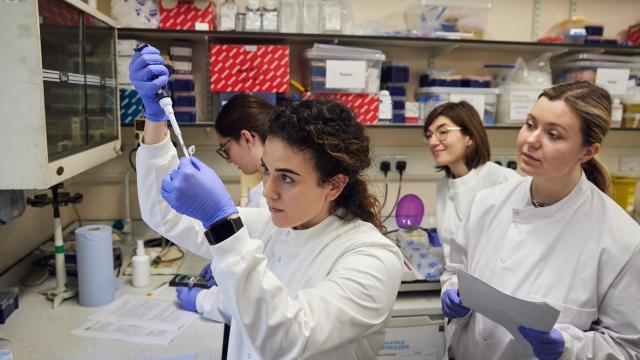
pixel 458 142
pixel 241 129
pixel 555 236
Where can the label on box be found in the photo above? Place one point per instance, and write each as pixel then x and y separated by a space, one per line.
pixel 476 100
pixel 521 102
pixel 260 68
pixel 346 74
pixel 411 112
pixel 613 80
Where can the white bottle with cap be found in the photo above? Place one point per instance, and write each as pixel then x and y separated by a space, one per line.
pixel 616 113
pixel 270 16
pixel 253 19
pixel 141 267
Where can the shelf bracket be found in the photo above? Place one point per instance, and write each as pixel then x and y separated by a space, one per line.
pixel 439 51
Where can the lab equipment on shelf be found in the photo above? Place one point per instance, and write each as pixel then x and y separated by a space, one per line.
pixel 484 100
pixel 333 68
pixel 227 16
pixel 290 14
pixel 270 16
pixel 253 16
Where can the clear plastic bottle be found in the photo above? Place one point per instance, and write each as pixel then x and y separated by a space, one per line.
pixel 616 113
pixel 270 16
pixel 289 21
pixel 141 267
pixel 227 15
pixel 332 16
pixel 311 16
pixel 253 19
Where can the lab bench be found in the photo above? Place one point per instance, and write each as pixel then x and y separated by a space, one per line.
pixel 37 331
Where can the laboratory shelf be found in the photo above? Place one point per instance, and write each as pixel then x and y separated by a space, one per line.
pixel 440 45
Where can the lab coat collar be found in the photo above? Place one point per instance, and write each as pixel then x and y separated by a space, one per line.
pixel 462 182
pixel 528 211
pixel 325 226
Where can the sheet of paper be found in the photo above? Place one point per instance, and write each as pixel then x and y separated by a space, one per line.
pixel 346 74
pixel 613 80
pixel 504 309
pixel 145 311
pixel 128 332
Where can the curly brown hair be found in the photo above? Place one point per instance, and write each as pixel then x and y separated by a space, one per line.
pixel 329 132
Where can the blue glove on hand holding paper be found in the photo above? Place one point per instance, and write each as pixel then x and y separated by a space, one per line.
pixel 195 190
pixel 546 345
pixel 452 307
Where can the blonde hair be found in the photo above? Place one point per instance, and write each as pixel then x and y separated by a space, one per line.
pixel 592 105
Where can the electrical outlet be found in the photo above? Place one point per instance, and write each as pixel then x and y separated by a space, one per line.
pixel 392 159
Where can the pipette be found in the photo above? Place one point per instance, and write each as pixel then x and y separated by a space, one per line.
pixel 164 98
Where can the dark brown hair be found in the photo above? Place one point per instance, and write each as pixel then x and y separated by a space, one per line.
pixel 592 105
pixel 465 116
pixel 244 112
pixel 329 132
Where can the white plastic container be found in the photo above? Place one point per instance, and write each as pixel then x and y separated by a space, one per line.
pixel 141 264
pixel 448 19
pixel 342 69
pixel 484 100
pixel 289 17
pixel 253 17
pixel 311 16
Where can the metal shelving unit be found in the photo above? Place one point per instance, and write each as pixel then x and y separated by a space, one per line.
pixel 434 47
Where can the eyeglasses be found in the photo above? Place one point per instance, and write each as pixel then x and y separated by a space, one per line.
pixel 222 151
pixel 440 133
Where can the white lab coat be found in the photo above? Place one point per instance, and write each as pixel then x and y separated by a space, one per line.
pixel 580 255
pixel 320 293
pixel 255 199
pixel 454 198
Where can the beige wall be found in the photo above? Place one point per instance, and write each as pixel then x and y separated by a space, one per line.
pixel 508 20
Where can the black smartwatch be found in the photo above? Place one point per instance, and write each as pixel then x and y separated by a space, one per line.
pixel 222 229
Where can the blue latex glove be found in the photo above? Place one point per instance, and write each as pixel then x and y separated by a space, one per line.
pixel 187 297
pixel 207 274
pixel 195 190
pixel 546 345
pixel 452 307
pixel 148 74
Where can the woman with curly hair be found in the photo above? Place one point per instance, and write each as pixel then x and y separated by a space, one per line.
pixel 312 277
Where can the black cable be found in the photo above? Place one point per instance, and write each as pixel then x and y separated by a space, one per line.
pixel 386 192
pixel 131 163
pixel 397 200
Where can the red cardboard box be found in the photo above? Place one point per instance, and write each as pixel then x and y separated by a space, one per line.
pixel 365 106
pixel 259 68
pixel 187 15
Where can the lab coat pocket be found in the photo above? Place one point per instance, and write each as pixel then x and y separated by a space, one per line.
pixel 581 318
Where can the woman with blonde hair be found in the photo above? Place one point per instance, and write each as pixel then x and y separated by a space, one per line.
pixel 554 236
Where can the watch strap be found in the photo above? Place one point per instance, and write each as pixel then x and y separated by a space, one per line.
pixel 223 229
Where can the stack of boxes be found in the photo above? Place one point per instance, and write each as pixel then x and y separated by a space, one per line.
pixel 259 69
pixel 181 82
pixel 187 15
pixel 130 101
pixel 350 76
pixel 395 78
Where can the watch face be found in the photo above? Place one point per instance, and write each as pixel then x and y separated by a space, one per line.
pixel 222 230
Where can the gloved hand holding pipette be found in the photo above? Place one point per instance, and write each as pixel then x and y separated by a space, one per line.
pixel 149 76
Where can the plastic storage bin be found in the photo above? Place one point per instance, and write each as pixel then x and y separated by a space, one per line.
pixel 584 66
pixel 485 100
pixel 448 19
pixel 360 69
